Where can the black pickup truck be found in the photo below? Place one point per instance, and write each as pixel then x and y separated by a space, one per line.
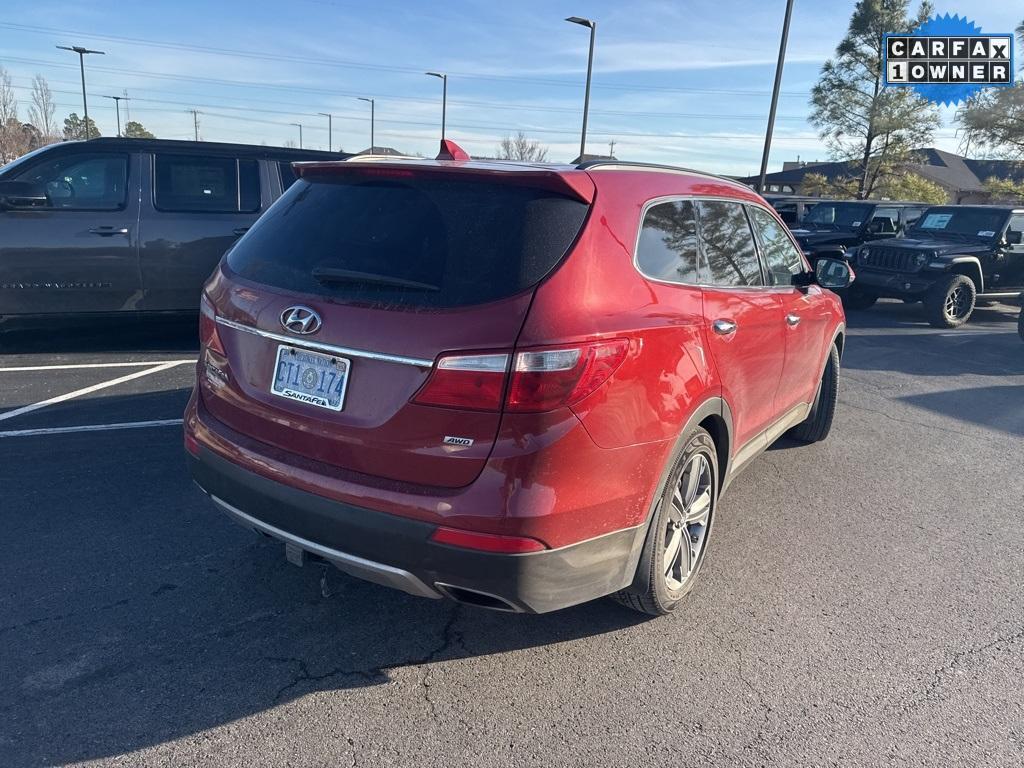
pixel 114 226
pixel 952 257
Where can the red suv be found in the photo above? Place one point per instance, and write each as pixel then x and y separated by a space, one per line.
pixel 516 386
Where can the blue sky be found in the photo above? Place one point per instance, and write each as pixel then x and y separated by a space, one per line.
pixel 679 82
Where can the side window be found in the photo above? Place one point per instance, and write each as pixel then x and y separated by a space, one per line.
pixel 780 255
pixel 206 184
pixel 92 182
pixel 288 176
pixel 728 245
pixel 1016 225
pixel 667 249
pixel 910 216
pixel 884 221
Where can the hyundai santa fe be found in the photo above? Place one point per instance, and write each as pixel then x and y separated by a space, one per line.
pixel 520 387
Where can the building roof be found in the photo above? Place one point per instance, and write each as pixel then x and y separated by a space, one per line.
pixel 375 150
pixel 952 171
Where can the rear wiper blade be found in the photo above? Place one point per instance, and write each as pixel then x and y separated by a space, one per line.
pixel 334 275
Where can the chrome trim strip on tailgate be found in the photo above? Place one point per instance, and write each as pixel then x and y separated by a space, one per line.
pixel 359 567
pixel 346 351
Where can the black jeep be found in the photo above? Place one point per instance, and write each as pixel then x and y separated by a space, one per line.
pixel 952 256
pixel 833 227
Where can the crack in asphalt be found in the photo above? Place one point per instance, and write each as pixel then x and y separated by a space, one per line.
pixel 941 674
pixel 372 675
pixel 758 695
pixel 449 637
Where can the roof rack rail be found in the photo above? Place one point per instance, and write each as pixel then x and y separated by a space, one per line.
pixel 591 164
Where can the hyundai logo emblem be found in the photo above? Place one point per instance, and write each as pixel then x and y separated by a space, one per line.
pixel 301 320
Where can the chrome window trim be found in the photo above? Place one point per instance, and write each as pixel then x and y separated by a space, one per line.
pixel 711 198
pixel 298 341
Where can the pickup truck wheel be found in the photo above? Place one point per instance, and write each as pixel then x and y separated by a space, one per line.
pixel 819 421
pixel 678 535
pixel 857 298
pixel 950 302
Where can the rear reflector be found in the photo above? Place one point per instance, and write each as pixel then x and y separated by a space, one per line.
pixel 472 382
pixel 543 380
pixel 191 444
pixel 486 542
pixel 208 335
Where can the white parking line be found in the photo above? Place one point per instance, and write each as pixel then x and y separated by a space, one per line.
pixel 92 365
pixel 93 388
pixel 91 428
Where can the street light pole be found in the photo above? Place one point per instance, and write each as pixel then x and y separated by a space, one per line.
pixel 373 144
pixel 195 121
pixel 117 105
pixel 775 96
pixel 330 128
pixel 299 126
pixel 590 70
pixel 444 97
pixel 81 65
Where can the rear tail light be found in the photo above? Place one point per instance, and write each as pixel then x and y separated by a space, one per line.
pixel 191 444
pixel 208 336
pixel 486 542
pixel 541 379
pixel 472 382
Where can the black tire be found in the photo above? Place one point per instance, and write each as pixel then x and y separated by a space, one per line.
pixel 857 298
pixel 819 422
pixel 651 592
pixel 1020 325
pixel 950 302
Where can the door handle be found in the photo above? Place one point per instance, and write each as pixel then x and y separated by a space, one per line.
pixel 239 231
pixel 723 327
pixel 792 320
pixel 107 231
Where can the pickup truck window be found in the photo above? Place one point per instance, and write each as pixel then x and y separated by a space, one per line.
pixel 201 184
pixel 84 182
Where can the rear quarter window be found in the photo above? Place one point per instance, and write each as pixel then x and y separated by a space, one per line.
pixel 667 248
pixel 416 242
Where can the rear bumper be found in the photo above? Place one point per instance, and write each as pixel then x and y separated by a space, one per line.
pixel 398 552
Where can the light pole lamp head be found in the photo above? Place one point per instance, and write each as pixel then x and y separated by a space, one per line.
pixel 582 22
pixel 442 75
pixel 79 49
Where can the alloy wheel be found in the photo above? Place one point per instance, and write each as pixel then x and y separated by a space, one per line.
pixel 957 303
pixel 686 524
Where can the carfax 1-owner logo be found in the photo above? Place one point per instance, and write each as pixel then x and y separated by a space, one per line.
pixel 948 59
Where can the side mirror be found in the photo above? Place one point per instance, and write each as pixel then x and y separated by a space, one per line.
pixel 1014 237
pixel 22 194
pixel 833 273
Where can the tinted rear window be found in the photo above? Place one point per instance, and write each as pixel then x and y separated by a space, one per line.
pixel 463 242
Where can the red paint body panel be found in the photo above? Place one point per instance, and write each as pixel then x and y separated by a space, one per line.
pixel 560 477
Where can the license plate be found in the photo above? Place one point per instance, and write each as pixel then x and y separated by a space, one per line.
pixel 310 377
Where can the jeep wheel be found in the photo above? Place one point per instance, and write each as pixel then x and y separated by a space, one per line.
pixel 819 421
pixel 678 535
pixel 858 298
pixel 950 302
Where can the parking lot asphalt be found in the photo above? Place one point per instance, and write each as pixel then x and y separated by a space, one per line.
pixel 862 602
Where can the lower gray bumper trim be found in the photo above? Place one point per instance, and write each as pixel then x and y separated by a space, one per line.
pixel 359 567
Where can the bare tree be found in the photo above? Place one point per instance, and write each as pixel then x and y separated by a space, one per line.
pixel 12 138
pixel 519 147
pixel 40 114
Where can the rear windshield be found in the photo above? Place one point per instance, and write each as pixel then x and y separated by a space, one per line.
pixel 417 242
